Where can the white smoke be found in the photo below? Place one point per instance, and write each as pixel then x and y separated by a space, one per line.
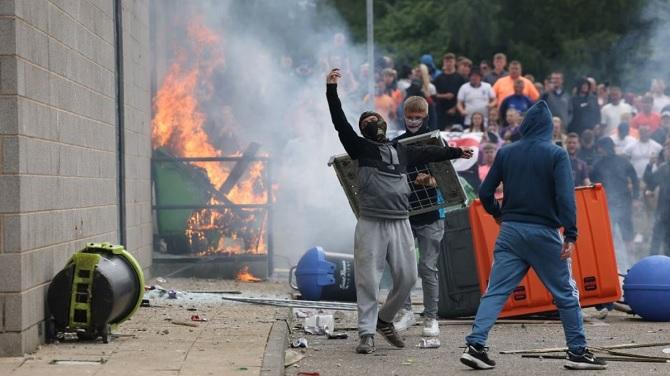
pixel 271 90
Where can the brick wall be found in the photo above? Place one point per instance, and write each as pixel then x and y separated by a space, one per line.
pixel 58 147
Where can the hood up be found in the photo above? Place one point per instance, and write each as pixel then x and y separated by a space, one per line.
pixel 427 59
pixel 537 123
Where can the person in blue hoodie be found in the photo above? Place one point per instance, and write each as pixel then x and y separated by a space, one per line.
pixel 427 59
pixel 538 199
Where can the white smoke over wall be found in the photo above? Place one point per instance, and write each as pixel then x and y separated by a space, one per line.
pixel 271 90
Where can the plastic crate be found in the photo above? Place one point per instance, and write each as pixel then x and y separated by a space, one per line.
pixel 594 263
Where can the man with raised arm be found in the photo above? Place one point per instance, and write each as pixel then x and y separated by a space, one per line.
pixel 383 233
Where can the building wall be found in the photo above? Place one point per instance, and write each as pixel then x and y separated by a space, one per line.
pixel 58 147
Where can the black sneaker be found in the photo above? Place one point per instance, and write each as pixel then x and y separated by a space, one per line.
pixel 367 345
pixel 586 361
pixel 387 330
pixel 477 358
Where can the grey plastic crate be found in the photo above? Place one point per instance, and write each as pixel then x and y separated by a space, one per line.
pixel 444 173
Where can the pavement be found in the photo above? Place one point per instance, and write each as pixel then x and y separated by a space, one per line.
pixel 232 342
pixel 245 339
pixel 337 357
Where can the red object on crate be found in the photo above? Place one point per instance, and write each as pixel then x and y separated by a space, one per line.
pixel 593 262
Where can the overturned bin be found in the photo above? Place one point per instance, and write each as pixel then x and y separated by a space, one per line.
pixel 101 286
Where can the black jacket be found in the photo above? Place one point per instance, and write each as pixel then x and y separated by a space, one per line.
pixel 614 173
pixel 419 193
pixel 382 167
pixel 660 177
pixel 584 112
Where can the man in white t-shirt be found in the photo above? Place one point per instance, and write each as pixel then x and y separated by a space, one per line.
pixel 657 91
pixel 622 139
pixel 642 151
pixel 475 96
pixel 610 114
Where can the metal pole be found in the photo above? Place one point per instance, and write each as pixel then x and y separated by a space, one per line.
pixel 371 52
pixel 120 121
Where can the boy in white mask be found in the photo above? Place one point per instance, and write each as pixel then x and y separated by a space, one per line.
pixel 427 228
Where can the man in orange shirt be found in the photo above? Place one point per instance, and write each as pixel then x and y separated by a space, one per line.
pixel 646 116
pixel 504 86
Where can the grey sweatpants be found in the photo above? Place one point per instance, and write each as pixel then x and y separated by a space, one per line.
pixel 429 238
pixel 378 242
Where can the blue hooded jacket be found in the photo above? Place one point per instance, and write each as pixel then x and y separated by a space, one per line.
pixel 536 176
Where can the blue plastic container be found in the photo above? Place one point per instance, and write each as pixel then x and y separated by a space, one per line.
pixel 322 275
pixel 647 288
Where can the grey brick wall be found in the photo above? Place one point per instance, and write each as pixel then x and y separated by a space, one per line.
pixel 58 148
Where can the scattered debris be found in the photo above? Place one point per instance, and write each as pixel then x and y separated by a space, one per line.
pixel 429 343
pixel 234 292
pixel 161 280
pixel 292 357
pixel 608 358
pixel 666 350
pixel 408 362
pixel 304 313
pixel 319 324
pixel 78 362
pixel 563 349
pixel 184 323
pixel 620 353
pixel 299 343
pixel 145 303
pixel 308 374
pixel 172 294
pixel 294 303
pixel 336 335
pixel 198 318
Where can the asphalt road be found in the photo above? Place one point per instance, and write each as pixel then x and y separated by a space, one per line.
pixel 337 357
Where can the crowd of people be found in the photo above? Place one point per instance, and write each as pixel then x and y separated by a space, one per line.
pixel 617 138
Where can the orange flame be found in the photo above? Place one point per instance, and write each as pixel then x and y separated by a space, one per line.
pixel 179 126
pixel 245 276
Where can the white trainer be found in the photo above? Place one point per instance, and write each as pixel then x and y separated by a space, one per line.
pixel 431 328
pixel 405 319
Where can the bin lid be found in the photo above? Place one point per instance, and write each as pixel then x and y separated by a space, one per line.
pixel 313 273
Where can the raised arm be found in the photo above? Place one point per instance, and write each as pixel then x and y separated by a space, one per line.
pixel 350 140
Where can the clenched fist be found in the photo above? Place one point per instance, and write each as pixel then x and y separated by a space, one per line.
pixel 333 76
pixel 467 153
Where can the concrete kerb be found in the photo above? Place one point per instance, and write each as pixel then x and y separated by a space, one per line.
pixel 277 343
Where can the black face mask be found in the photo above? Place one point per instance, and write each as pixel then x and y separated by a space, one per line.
pixel 375 131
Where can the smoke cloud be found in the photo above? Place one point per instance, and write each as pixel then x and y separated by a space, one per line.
pixel 270 88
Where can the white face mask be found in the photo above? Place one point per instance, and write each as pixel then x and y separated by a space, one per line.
pixel 413 125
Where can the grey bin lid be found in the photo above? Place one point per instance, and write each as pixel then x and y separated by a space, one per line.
pixel 445 174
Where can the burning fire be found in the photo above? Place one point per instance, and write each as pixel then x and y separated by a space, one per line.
pixel 245 276
pixel 178 126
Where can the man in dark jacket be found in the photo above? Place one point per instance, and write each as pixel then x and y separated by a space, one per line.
pixel 557 98
pixel 616 174
pixel 383 233
pixel 538 199
pixel 584 110
pixel 658 175
pixel 428 228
